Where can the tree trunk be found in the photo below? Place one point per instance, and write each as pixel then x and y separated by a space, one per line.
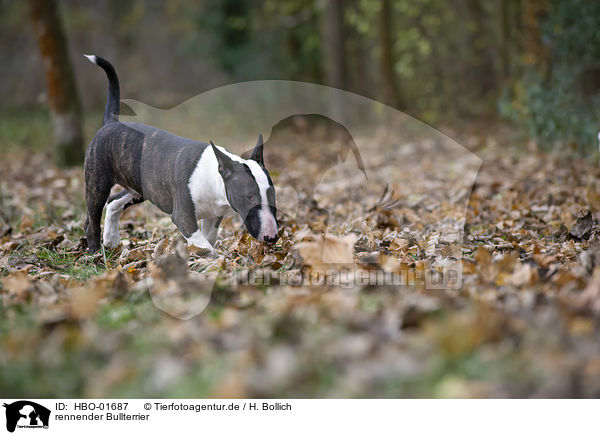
pixel 391 94
pixel 334 53
pixel 482 72
pixel 505 11
pixel 334 43
pixel 535 52
pixel 62 91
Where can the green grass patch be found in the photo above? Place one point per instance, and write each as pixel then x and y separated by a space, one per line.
pixel 79 266
pixel 26 130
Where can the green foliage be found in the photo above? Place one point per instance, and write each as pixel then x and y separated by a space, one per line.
pixel 276 40
pixel 560 103
pixel 227 25
pixel 452 61
pixel 554 112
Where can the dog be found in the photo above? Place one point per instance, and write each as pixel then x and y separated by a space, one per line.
pixel 187 179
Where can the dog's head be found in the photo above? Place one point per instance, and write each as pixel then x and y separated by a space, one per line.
pixel 250 192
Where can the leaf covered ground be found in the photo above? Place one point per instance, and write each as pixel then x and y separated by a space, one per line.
pixel 146 320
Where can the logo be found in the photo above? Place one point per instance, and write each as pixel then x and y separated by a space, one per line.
pixel 26 414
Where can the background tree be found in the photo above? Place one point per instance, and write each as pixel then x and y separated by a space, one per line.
pixel 531 63
pixel 62 90
pixel 334 50
pixel 390 91
pixel 334 40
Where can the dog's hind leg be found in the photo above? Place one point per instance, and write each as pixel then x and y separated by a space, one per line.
pixel 116 204
pixel 96 194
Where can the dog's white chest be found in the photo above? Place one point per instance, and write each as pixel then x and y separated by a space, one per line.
pixel 207 188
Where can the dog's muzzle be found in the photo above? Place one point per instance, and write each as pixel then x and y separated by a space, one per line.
pixel 268 227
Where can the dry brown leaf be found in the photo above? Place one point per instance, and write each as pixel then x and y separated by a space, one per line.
pixel 321 254
pixel 26 223
pixel 84 301
pixel 17 283
pixel 524 274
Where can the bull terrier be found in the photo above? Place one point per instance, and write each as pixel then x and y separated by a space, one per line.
pixel 187 179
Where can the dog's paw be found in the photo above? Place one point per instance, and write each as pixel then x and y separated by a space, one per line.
pixel 198 244
pixel 111 241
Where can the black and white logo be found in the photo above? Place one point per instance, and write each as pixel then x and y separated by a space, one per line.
pixel 25 414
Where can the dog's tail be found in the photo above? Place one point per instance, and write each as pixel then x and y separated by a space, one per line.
pixel 111 112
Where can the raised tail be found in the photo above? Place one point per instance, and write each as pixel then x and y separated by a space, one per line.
pixel 111 112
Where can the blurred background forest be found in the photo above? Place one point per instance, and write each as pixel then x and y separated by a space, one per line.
pixel 533 64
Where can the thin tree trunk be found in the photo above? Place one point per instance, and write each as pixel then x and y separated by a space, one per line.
pixel 62 90
pixel 505 10
pixel 334 53
pixel 535 52
pixel 391 94
pixel 358 77
pixel 482 73
pixel 334 43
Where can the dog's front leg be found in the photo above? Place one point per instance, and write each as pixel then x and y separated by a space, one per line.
pixel 195 238
pixel 210 229
pixel 184 216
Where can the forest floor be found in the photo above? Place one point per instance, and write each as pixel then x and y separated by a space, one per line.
pixel 137 322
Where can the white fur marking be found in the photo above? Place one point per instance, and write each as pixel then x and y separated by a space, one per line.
pixel 91 58
pixel 207 190
pixel 114 210
pixel 198 240
pixel 268 226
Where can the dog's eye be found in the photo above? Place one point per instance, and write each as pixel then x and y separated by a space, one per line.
pixel 251 198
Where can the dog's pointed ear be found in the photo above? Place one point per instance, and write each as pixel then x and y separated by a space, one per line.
pixel 257 153
pixel 226 165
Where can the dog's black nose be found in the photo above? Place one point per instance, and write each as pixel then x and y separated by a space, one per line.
pixel 271 239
